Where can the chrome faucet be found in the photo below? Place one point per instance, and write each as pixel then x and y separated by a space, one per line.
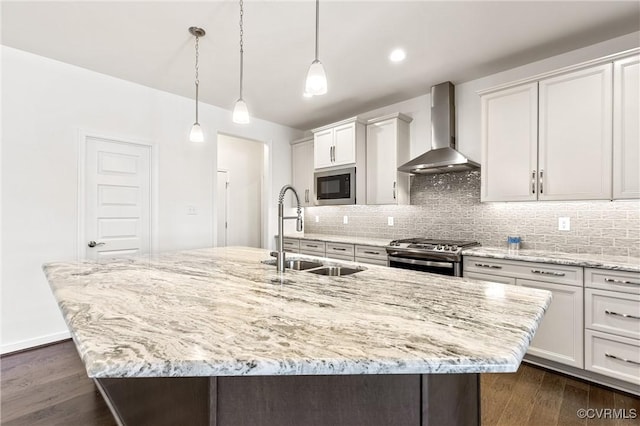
pixel 281 217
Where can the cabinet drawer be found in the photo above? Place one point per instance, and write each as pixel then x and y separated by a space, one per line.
pixel 626 282
pixel 291 245
pixel 316 247
pixel 371 252
pixel 613 356
pixel 559 274
pixel 613 312
pixel 490 278
pixel 341 249
pixel 372 261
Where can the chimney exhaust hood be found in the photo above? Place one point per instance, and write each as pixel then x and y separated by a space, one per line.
pixel 443 156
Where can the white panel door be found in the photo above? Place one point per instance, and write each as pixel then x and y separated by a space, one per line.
pixel 221 207
pixel 626 130
pixel 510 144
pixel 302 172
pixel 575 139
pixel 345 144
pixel 382 162
pixel 117 198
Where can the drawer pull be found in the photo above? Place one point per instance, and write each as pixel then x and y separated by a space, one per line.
pixel 339 249
pixel 555 274
pixel 611 280
pixel 486 265
pixel 621 359
pixel 372 252
pixel 621 315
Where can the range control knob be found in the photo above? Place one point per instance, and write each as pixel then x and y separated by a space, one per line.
pixel 439 247
pixel 454 248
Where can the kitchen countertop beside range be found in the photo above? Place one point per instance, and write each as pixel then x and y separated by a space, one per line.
pixel 617 263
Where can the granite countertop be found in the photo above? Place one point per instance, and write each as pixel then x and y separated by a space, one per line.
pixel 221 312
pixel 365 241
pixel 617 263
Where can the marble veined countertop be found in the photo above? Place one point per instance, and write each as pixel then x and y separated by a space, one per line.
pixel 365 241
pixel 221 312
pixel 617 263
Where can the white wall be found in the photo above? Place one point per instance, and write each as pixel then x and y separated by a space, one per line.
pixel 243 160
pixel 44 102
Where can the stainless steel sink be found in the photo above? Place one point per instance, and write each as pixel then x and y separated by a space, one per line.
pixel 335 271
pixel 297 264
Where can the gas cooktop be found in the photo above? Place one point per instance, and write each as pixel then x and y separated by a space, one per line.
pixel 431 245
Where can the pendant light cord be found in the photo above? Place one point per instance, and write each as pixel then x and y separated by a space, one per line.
pixel 241 46
pixel 317 25
pixel 197 69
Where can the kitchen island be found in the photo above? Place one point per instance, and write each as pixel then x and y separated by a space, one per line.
pixel 215 336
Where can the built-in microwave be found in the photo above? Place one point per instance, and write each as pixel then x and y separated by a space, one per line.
pixel 335 187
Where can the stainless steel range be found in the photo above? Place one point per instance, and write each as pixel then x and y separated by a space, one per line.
pixel 422 254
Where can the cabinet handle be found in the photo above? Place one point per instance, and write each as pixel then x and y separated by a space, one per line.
pixel 619 358
pixel 611 280
pixel 311 245
pixel 555 274
pixel 541 181
pixel 486 265
pixel 533 182
pixel 339 249
pixel 621 315
pixel 394 190
pixel 372 252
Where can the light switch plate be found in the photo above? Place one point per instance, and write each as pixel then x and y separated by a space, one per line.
pixel 317 219
pixel 390 220
pixel 191 210
pixel 345 219
pixel 564 224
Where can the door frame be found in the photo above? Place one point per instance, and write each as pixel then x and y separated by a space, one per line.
pixel 82 136
pixel 226 208
pixel 266 186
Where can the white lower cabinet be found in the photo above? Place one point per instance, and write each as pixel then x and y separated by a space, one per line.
pixel 371 254
pixel 312 247
pixel 342 251
pixel 559 337
pixel 613 356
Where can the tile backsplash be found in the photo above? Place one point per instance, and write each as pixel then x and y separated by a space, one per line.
pixel 447 206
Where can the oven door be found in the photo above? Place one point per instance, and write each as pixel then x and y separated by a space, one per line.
pixel 434 266
pixel 335 187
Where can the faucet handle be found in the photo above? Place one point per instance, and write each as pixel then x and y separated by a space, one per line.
pixel 299 224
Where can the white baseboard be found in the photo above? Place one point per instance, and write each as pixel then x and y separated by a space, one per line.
pixel 32 343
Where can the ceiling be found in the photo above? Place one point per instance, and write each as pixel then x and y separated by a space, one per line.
pixel 148 43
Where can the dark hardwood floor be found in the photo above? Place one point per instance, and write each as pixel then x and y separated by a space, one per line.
pixel 49 386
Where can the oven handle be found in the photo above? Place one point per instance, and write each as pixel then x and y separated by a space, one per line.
pixel 448 265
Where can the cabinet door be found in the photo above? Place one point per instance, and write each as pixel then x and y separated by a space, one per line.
pixel 575 140
pixel 302 171
pixel 626 136
pixel 559 337
pixel 323 148
pixel 344 141
pixel 510 144
pixel 382 162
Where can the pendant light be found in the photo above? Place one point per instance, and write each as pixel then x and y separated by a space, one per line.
pixel 196 134
pixel 240 111
pixel 316 83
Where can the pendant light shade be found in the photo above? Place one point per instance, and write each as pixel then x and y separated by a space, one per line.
pixel 240 110
pixel 316 83
pixel 196 134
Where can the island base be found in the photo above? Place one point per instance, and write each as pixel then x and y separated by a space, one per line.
pixel 367 400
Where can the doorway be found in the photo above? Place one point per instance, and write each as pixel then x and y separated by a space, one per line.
pixel 221 207
pixel 114 197
pixel 243 161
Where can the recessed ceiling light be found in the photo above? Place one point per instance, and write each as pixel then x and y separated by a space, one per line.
pixel 397 55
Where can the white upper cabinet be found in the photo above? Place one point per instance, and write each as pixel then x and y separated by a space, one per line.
pixel 626 136
pixel 338 144
pixel 510 144
pixel 302 170
pixel 575 135
pixel 387 148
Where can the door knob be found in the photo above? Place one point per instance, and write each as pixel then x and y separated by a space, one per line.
pixel 93 244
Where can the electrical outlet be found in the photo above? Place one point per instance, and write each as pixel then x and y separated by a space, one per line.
pixel 317 219
pixel 390 220
pixel 191 210
pixel 564 224
pixel 345 219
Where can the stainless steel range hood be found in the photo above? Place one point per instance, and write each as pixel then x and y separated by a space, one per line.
pixel 442 157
